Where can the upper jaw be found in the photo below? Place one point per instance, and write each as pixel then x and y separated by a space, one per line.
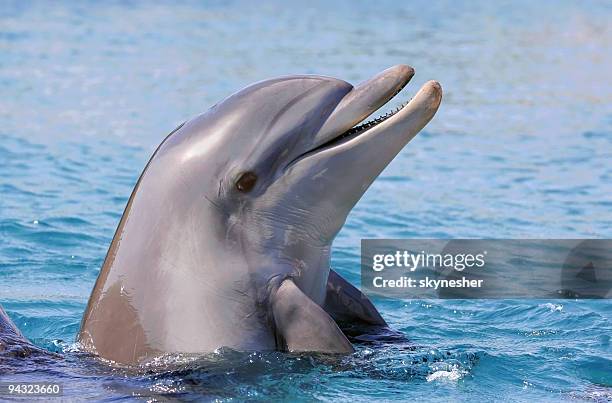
pixel 363 100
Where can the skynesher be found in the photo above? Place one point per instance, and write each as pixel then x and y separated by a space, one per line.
pixel 407 282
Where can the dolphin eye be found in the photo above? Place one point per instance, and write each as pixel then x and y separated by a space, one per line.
pixel 246 182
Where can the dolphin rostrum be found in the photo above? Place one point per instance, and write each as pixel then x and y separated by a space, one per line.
pixel 226 238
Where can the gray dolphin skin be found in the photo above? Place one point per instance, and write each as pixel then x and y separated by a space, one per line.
pixel 226 238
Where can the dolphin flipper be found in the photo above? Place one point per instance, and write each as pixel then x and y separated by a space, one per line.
pixel 302 325
pixel 346 304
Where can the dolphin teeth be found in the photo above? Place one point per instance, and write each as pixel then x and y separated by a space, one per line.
pixel 375 121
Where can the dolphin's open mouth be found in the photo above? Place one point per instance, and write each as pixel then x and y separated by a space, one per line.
pixel 346 123
pixel 352 132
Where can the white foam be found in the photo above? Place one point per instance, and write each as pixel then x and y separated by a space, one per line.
pixel 443 375
pixel 552 307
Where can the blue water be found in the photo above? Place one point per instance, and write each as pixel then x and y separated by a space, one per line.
pixel 521 148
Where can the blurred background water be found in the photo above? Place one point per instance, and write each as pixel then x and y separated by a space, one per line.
pixel 521 147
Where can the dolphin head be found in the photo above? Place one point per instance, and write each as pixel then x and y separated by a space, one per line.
pixel 280 164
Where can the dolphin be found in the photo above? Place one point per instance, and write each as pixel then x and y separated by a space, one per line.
pixel 226 238
pixel 13 343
